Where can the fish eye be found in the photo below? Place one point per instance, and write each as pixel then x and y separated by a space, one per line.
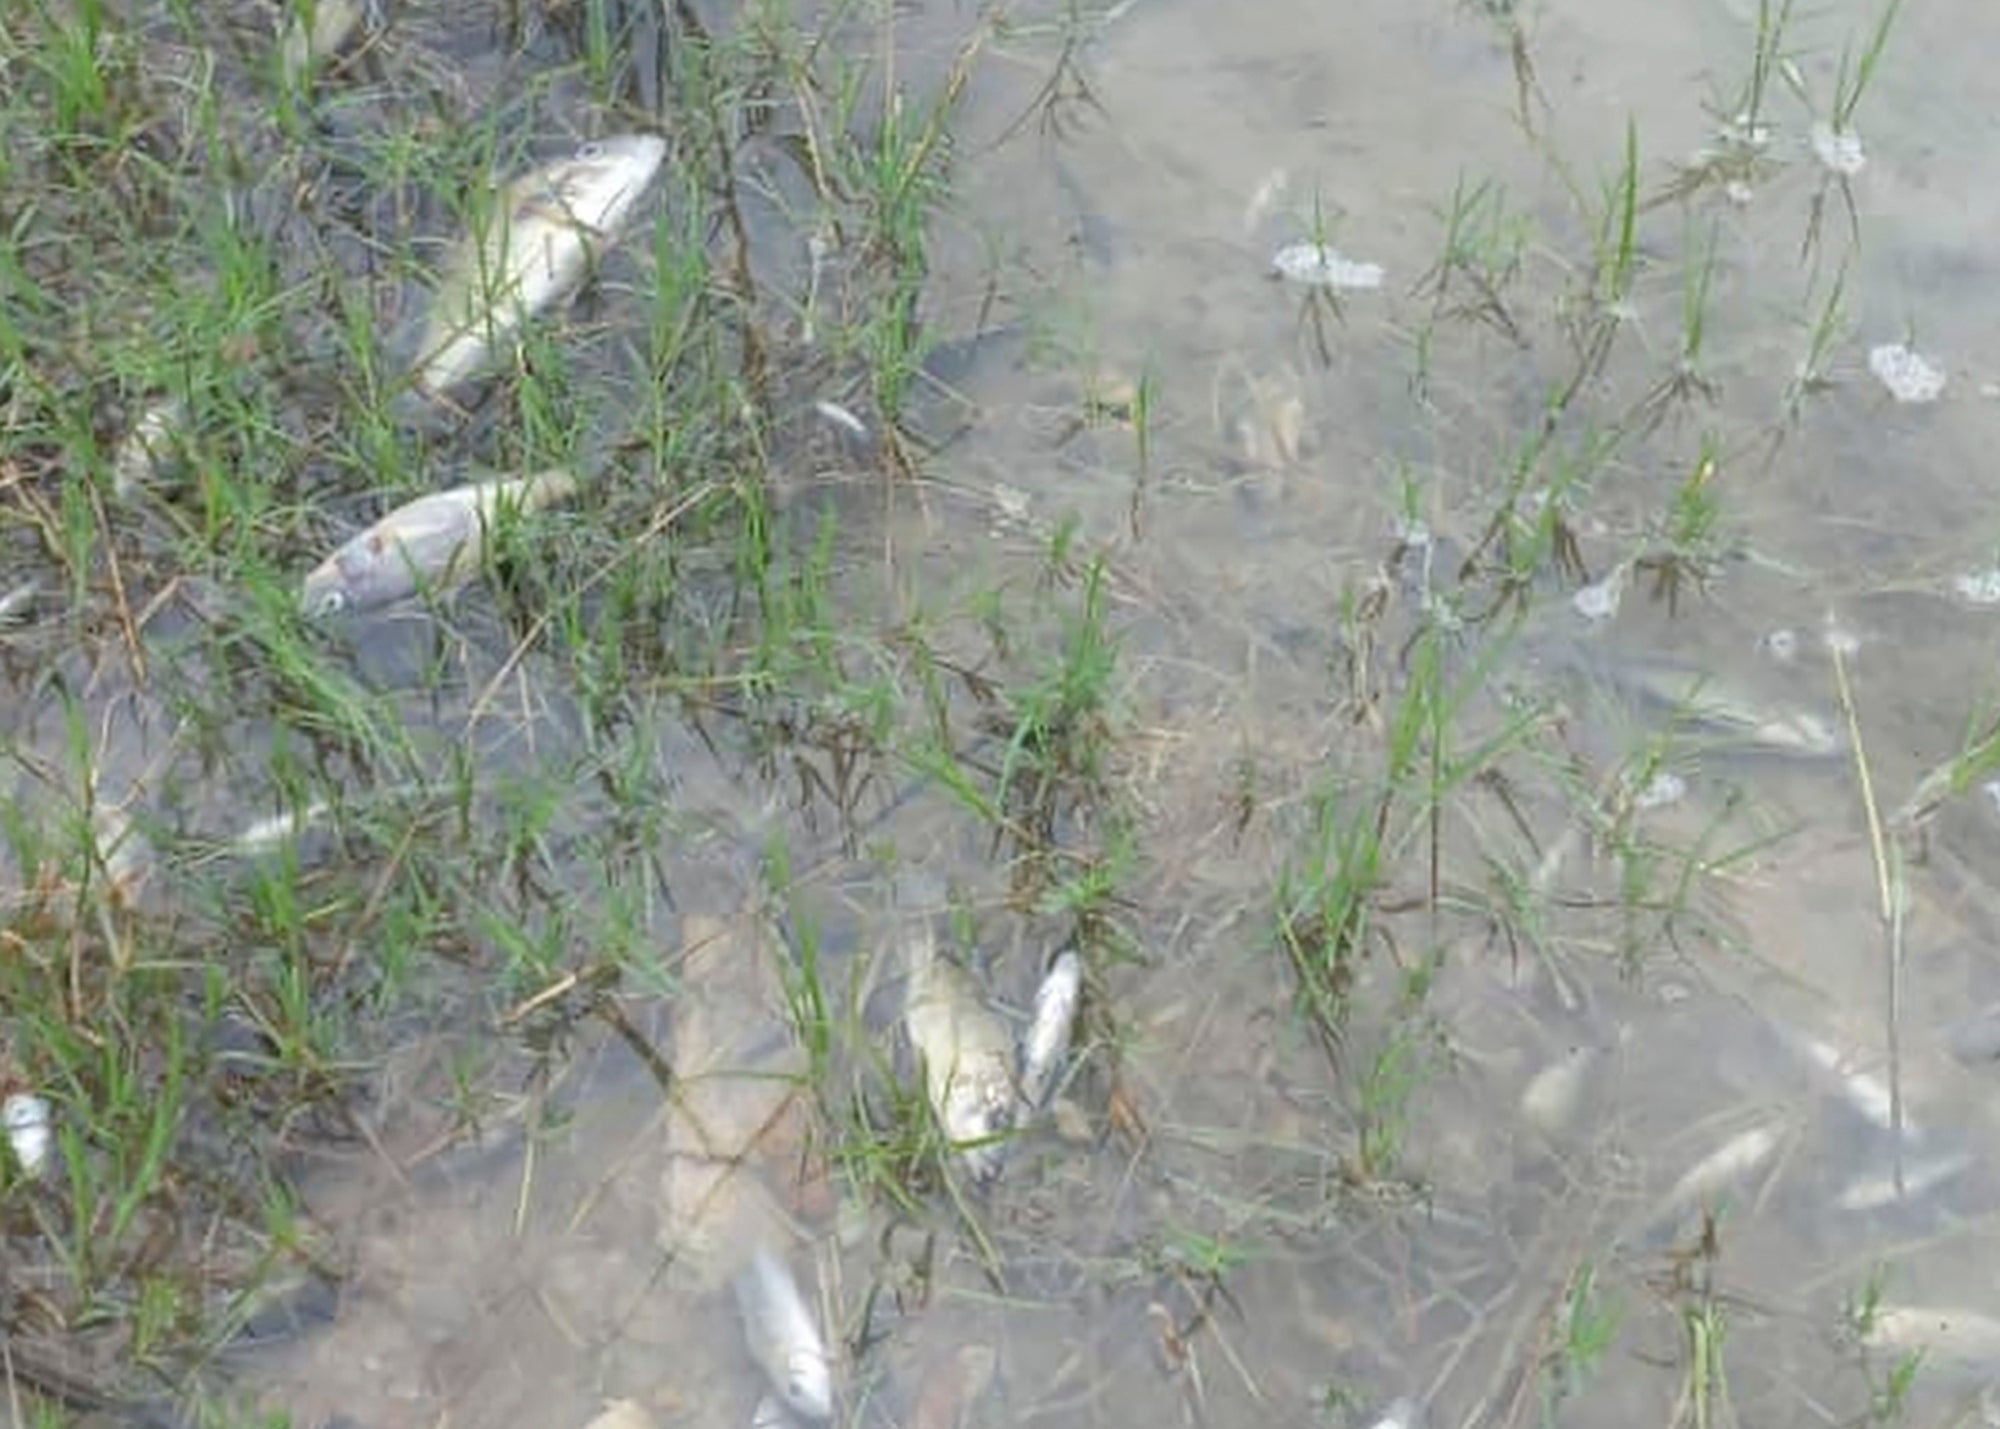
pixel 331 602
pixel 591 151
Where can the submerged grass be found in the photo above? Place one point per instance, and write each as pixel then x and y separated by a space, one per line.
pixel 483 803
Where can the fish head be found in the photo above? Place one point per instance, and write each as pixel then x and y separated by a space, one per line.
pixel 808 1386
pixel 978 1112
pixel 327 590
pixel 361 575
pixel 601 183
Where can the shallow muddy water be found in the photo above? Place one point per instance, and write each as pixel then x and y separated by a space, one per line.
pixel 1230 1222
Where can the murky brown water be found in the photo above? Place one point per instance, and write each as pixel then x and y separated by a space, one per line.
pixel 522 1280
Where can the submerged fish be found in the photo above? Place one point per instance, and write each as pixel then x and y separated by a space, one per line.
pixel 734 1110
pixel 1553 1095
pixel 967 1054
pixel 1705 703
pixel 1872 1193
pixel 1965 1338
pixel 1868 1095
pixel 544 232
pixel 434 542
pixel 782 1337
pixel 1730 1162
pixel 1047 1039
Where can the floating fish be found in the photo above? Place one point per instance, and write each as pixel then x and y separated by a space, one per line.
pixel 967 1055
pixel 435 542
pixel 30 1128
pixel 1047 1039
pixel 545 231
pixel 783 1339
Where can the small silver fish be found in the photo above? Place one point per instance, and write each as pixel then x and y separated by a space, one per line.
pixel 782 1337
pixel 545 231
pixel 1047 1038
pixel 436 541
pixel 967 1053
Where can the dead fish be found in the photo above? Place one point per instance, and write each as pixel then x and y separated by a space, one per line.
pixel 545 231
pixel 30 1128
pixel 1554 1094
pixel 1962 1337
pixel 1721 1168
pixel 435 542
pixel 147 449
pixel 967 1054
pixel 1868 1095
pixel 1715 706
pixel 267 834
pixel 1707 704
pixel 1874 1192
pixel 783 1339
pixel 734 1111
pixel 18 601
pixel 1047 1039
pixel 318 30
